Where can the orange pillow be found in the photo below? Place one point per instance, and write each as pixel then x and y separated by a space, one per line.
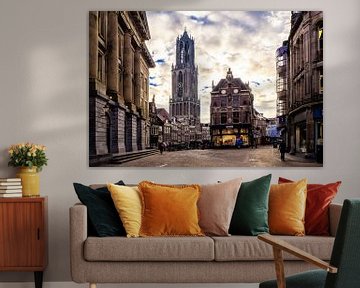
pixel 287 204
pixel 169 210
pixel 319 197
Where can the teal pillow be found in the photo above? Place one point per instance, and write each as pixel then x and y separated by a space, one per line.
pixel 103 219
pixel 250 216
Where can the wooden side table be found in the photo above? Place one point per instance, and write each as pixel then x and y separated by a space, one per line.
pixel 23 235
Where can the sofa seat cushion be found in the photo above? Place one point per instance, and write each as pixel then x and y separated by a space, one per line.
pixel 149 249
pixel 244 248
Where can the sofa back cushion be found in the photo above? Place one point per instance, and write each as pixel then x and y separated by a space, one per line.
pixel 102 215
pixel 319 197
pixel 127 201
pixel 169 210
pixel 250 215
pixel 287 204
pixel 216 206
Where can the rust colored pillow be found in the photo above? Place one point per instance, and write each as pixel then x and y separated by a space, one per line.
pixel 287 204
pixel 319 197
pixel 169 210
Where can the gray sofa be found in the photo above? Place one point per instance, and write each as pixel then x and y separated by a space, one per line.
pixel 234 259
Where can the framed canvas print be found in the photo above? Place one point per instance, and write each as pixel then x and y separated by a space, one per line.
pixel 206 88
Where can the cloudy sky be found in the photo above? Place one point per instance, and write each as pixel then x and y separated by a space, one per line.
pixel 241 40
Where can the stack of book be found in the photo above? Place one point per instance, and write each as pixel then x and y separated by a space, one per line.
pixel 10 187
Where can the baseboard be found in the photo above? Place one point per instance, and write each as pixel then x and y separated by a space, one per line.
pixel 74 285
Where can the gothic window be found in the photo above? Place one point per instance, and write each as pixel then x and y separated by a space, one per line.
pixel 180 83
pixel 186 52
pixel 182 52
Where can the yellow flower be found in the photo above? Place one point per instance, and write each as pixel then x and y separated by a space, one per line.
pixel 11 151
pixel 28 154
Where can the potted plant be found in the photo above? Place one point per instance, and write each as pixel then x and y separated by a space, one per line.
pixel 30 158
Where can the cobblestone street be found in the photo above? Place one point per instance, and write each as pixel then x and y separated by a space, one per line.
pixel 263 156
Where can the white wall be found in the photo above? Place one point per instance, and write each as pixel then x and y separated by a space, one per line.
pixel 44 99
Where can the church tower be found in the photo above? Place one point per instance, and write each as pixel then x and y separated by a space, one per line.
pixel 184 101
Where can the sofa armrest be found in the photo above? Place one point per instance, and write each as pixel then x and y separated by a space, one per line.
pixel 78 235
pixel 334 217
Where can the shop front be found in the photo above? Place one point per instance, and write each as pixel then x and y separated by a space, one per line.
pixel 230 135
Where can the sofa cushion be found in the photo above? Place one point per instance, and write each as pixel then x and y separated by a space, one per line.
pixel 318 199
pixel 149 249
pixel 169 210
pixel 216 206
pixel 245 248
pixel 102 215
pixel 250 215
pixel 287 204
pixel 127 201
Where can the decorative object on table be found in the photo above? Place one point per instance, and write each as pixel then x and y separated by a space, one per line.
pixel 30 158
pixel 10 187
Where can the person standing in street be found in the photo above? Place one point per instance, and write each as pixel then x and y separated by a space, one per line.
pixel 161 147
pixel 282 148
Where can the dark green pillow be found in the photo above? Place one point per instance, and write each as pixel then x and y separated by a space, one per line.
pixel 250 216
pixel 103 218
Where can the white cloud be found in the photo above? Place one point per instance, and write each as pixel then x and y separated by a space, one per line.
pixel 245 41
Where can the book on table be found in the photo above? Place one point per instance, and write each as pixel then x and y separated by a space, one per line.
pixel 10 184
pixel 2 188
pixel 9 195
pixel 6 180
pixel 10 191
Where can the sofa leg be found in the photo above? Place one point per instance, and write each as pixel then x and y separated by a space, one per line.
pixel 92 285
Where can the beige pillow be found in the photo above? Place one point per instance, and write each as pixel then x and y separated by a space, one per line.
pixel 216 206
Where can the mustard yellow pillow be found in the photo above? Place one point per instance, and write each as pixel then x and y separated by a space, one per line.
pixel 127 201
pixel 287 204
pixel 169 210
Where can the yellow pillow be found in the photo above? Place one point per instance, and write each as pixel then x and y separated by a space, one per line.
pixel 127 201
pixel 169 210
pixel 287 204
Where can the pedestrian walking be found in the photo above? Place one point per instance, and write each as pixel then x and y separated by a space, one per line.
pixel 282 148
pixel 161 147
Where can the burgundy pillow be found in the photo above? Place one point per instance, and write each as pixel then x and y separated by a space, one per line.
pixel 319 197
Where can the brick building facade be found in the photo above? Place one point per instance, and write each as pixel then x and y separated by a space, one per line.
pixel 231 112
pixel 305 98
